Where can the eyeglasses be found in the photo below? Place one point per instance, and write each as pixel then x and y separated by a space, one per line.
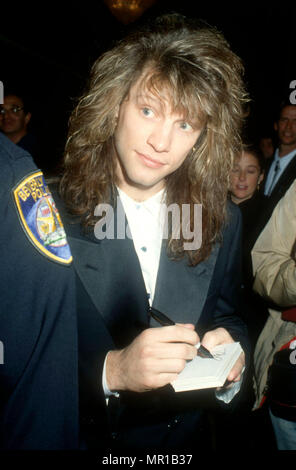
pixel 13 110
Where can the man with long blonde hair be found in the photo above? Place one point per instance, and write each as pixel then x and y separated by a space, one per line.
pixel 158 126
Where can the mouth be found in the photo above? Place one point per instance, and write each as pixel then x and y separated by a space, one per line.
pixel 241 188
pixel 150 162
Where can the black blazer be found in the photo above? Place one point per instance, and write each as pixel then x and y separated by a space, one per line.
pixel 282 185
pixel 111 292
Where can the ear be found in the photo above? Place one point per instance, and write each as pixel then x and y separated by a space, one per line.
pixel 27 118
pixel 275 126
pixel 260 178
pixel 116 114
pixel 117 111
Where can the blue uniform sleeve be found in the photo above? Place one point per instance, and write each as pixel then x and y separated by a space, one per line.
pixel 38 377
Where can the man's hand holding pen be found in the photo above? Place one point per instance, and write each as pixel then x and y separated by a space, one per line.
pixel 153 359
pixel 158 355
pixel 210 340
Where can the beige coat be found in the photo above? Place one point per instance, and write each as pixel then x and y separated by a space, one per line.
pixel 275 280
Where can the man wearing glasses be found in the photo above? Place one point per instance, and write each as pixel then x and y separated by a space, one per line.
pixel 14 121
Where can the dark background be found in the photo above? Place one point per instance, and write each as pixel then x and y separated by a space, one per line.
pixel 47 51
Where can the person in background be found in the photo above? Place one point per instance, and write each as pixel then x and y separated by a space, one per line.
pixel 274 261
pixel 266 145
pixel 281 171
pixel 246 176
pixel 15 117
pixel 245 179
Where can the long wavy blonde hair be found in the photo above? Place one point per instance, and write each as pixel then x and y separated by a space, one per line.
pixel 204 79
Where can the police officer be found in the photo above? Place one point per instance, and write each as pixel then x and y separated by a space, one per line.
pixel 38 362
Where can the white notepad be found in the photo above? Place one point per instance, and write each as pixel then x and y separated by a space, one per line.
pixel 206 372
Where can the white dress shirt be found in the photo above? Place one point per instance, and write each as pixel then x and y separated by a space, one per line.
pixel 145 220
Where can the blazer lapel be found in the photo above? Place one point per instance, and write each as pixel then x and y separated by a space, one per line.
pixel 181 290
pixel 286 179
pixel 110 272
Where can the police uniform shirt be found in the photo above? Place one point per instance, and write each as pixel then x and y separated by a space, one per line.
pixel 38 373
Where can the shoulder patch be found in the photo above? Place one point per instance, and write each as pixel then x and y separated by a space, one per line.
pixel 40 218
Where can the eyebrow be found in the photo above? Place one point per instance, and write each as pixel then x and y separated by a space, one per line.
pixel 12 105
pixel 155 100
pixel 248 166
pixel 149 97
pixel 146 95
pixel 158 101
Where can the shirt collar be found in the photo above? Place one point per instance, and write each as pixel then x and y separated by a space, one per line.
pixel 150 203
pixel 276 154
pixel 286 157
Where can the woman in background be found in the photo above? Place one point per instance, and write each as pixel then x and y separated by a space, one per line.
pixel 245 180
pixel 255 431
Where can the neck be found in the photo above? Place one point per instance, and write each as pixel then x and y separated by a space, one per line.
pixel 237 200
pixel 15 137
pixel 285 149
pixel 139 193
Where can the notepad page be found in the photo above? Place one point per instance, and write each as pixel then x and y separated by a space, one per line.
pixel 206 372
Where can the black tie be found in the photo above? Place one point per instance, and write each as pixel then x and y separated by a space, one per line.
pixel 275 172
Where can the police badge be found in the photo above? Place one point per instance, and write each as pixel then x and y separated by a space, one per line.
pixel 40 218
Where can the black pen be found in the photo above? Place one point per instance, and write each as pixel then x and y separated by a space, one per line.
pixel 166 321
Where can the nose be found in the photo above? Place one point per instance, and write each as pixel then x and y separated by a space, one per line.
pixel 160 137
pixel 242 176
